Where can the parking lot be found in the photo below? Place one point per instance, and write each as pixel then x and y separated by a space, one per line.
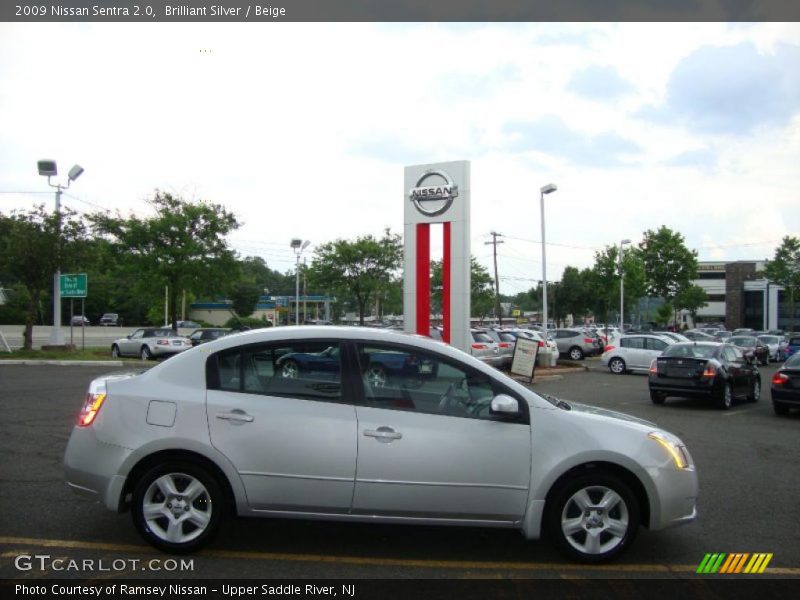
pixel 748 461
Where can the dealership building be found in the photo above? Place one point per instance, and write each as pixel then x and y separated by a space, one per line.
pixel 739 295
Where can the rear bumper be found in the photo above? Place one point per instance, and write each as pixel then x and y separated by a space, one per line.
pixel 92 467
pixel 168 350
pixel 689 388
pixel 790 397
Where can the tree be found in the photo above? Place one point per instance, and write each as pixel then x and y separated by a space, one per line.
pixel 691 298
pixel 359 269
pixel 573 296
pixel 784 270
pixel 33 245
pixel 669 265
pixel 482 298
pixel 182 246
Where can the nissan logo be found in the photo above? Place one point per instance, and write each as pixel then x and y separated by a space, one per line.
pixel 436 197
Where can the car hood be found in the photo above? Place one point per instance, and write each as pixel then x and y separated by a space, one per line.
pixel 609 414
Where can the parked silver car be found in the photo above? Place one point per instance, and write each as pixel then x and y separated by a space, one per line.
pixel 439 438
pixel 635 352
pixel 150 342
pixel 576 343
pixel 485 349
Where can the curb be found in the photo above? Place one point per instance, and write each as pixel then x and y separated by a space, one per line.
pixel 65 363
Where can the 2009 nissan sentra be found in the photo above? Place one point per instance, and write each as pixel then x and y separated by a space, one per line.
pixel 225 428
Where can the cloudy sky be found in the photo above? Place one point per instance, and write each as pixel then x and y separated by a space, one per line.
pixel 303 130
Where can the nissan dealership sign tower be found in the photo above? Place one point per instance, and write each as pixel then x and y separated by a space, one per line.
pixel 438 193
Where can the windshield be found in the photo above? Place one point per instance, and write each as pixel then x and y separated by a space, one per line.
pixel 745 342
pixel 770 339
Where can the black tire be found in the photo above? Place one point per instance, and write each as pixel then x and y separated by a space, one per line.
pixel 780 409
pixel 207 508
pixel 755 391
pixel 657 397
pixel 145 353
pixel 575 353
pixel 617 366
pixel 725 397
pixel 115 351
pixel 617 523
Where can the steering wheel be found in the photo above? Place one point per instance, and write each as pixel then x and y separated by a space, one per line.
pixel 450 403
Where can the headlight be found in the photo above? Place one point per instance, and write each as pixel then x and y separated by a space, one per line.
pixel 676 451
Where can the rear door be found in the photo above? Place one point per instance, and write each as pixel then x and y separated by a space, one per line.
pixel 289 432
pixel 634 352
pixel 654 347
pixel 428 447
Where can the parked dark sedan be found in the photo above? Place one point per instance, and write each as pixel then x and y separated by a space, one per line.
pixel 786 386
pixel 206 334
pixel 751 347
pixel 712 370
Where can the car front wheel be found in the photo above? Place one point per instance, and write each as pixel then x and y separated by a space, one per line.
pixel 177 507
pixel 593 517
pixel 617 366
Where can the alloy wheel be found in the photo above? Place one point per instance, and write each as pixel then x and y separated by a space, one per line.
pixel 177 508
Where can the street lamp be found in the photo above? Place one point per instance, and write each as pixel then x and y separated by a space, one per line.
pixel 298 246
pixel 547 189
pixel 621 289
pixel 47 168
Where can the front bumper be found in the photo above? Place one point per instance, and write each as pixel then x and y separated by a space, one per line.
pixel 676 490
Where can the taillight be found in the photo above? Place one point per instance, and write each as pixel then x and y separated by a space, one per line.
pixel 541 344
pixel 90 409
pixel 608 348
pixel 779 378
pixel 588 341
pixel 162 343
pixel 653 367
pixel 710 370
pixel 479 346
pixel 504 345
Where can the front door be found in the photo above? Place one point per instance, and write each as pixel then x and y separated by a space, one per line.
pixel 427 445
pixel 277 411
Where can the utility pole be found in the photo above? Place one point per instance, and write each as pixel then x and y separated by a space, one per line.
pixel 497 307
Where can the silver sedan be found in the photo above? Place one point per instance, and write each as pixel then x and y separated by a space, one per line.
pixel 292 422
pixel 150 342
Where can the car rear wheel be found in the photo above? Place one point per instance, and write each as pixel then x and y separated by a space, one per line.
pixel 657 397
pixel 780 409
pixel 593 517
pixel 115 351
pixel 145 353
pixel 755 392
pixel 575 353
pixel 617 366
pixel 725 400
pixel 177 506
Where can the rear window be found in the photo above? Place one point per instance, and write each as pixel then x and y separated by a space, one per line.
pixel 793 362
pixel 795 341
pixel 482 337
pixel 689 351
pixel 745 342
pixel 770 339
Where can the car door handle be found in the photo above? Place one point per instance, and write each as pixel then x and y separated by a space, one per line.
pixel 383 434
pixel 236 415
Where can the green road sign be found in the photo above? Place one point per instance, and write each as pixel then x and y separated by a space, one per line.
pixel 73 285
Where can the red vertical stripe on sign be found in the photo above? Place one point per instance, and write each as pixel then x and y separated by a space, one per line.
pixel 423 279
pixel 446 283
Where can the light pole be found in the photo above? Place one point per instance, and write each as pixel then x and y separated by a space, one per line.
pixel 547 189
pixel 621 289
pixel 48 168
pixel 298 246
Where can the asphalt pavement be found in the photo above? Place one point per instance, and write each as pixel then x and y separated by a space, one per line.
pixel 748 461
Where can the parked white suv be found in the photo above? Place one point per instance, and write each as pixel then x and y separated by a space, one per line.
pixel 634 352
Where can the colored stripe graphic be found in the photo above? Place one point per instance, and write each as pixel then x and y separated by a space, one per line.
pixel 734 563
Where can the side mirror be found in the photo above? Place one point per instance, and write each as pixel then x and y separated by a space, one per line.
pixel 504 405
pixel 127 337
